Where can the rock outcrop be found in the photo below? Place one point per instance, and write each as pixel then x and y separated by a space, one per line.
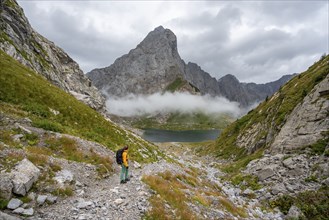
pixel 24 175
pixel 19 40
pixel 307 123
pixel 155 64
pixel 147 69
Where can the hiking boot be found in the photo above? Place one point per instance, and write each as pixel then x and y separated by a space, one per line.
pixel 123 181
pixel 127 179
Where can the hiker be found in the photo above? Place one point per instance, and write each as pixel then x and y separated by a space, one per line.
pixel 124 166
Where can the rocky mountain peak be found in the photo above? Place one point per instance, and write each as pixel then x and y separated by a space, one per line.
pixel 160 41
pixel 149 68
pixel 155 64
pixel 229 78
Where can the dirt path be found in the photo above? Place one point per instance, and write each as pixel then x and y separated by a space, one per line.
pixel 104 199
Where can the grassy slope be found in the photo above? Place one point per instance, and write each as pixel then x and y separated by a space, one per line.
pixel 271 114
pixel 29 94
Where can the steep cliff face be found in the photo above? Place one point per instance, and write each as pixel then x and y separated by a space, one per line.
pixel 307 123
pixel 147 69
pixel 155 64
pixel 19 40
pixel 249 93
pixel 288 132
pixel 201 79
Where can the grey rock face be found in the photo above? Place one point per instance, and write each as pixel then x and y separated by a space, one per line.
pixel 155 63
pixel 282 175
pixel 24 175
pixel 307 123
pixel 265 174
pixel 148 68
pixel 6 186
pixel 24 44
pixel 201 79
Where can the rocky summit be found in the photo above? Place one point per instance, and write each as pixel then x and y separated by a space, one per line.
pixel 19 40
pixel 155 66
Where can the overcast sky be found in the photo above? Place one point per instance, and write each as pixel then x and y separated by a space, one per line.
pixel 257 41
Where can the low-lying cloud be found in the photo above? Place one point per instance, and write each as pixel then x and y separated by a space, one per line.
pixel 137 105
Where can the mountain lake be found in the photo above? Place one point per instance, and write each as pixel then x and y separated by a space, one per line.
pixel 158 135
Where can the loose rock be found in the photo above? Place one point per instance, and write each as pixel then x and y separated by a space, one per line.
pixel 24 175
pixel 14 203
pixel 6 186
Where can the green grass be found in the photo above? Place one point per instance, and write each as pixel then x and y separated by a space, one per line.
pixel 246 181
pixel 28 92
pixel 64 192
pixel 3 203
pixel 171 189
pixel 319 147
pixel 270 114
pixel 314 204
pixel 175 85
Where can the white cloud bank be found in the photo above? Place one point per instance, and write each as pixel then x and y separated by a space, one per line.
pixel 133 105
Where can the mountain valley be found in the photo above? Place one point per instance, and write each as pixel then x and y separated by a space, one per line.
pixel 58 140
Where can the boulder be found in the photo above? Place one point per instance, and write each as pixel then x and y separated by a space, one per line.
pixel 14 203
pixel 64 176
pixel 248 192
pixel 278 188
pixel 4 216
pixel 265 174
pixel 22 211
pixel 6 186
pixel 24 175
pixel 41 199
pixel 295 213
pixel 52 199
pixel 84 204
pixel 289 163
pixel 25 130
pixel 17 137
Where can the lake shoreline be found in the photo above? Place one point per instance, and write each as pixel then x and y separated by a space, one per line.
pixel 160 135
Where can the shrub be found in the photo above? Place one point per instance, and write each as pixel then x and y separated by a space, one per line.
pixel 37 109
pixel 48 125
pixel 314 204
pixel 38 159
pixel 3 203
pixel 66 191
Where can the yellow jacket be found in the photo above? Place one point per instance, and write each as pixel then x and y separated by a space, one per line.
pixel 125 158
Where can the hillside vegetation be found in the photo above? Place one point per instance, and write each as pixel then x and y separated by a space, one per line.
pixel 23 93
pixel 266 120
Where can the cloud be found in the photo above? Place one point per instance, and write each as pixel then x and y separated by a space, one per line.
pixel 133 105
pixel 257 41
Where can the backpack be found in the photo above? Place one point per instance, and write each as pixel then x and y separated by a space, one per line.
pixel 118 156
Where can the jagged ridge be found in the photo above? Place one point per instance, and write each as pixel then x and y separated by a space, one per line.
pixel 26 94
pixel 19 40
pixel 155 63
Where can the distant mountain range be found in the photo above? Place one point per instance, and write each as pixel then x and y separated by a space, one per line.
pixel 156 66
